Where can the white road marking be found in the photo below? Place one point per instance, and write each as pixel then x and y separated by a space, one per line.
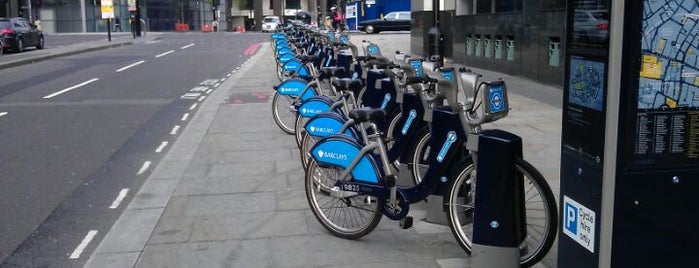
pixel 194 106
pixel 143 169
pixel 185 116
pixel 129 66
pixel 217 84
pixel 120 197
pixel 70 88
pixel 5 113
pixel 86 241
pixel 164 54
pixel 187 46
pixel 191 96
pixel 161 147
pixel 209 91
pixel 228 75
pixel 202 98
pixel 174 130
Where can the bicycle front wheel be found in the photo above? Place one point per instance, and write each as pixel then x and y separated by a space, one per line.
pixel 299 130
pixel 539 204
pixel 344 217
pixel 281 113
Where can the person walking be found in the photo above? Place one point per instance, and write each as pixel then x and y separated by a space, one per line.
pixel 117 24
pixel 337 18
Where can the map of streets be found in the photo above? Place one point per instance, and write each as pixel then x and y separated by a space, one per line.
pixel 669 75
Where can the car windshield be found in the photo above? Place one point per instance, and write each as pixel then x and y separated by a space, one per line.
pixel 391 16
pixel 271 20
pixel 4 24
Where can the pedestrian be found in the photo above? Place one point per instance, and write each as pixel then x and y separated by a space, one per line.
pixel 337 18
pixel 117 24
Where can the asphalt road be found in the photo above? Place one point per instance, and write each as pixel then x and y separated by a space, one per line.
pixel 79 135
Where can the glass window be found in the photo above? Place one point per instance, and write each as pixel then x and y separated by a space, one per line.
pixel 484 6
pixel 508 5
pixel 404 16
pixel 391 16
pixel 553 4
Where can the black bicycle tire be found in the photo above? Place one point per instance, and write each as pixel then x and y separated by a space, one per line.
pixel 275 115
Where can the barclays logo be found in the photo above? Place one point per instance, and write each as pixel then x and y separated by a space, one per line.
pixel 310 111
pixel 332 155
pixel 322 130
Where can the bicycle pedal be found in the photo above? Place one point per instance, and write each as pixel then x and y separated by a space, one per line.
pixel 406 222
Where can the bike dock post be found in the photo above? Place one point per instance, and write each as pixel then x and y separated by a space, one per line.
pixel 498 223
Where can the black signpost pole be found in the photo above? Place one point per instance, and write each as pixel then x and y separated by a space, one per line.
pixel 109 30
pixel 434 36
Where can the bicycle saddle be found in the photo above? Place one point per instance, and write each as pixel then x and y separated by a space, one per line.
pixel 346 84
pixel 367 114
pixel 332 71
pixel 307 58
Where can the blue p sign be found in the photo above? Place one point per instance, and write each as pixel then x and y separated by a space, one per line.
pixel 571 218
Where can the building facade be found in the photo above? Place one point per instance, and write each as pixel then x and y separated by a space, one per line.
pixel 518 37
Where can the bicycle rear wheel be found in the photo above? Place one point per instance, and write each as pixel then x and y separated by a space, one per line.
pixel 540 209
pixel 307 143
pixel 299 130
pixel 284 117
pixel 348 217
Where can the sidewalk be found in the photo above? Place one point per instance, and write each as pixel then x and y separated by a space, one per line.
pixel 230 193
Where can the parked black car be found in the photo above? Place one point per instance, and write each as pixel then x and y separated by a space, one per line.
pixel 17 33
pixel 393 21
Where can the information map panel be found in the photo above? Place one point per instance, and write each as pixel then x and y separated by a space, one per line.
pixel 667 125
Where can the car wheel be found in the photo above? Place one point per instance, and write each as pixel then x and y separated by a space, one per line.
pixel 20 46
pixel 40 44
pixel 370 29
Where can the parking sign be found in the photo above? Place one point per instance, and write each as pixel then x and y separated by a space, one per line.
pixel 579 223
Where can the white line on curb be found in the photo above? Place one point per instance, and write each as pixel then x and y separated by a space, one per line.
pixel 194 106
pixel 187 46
pixel 71 88
pixel 174 130
pixel 161 147
pixel 130 66
pixel 185 116
pixel 165 54
pixel 79 250
pixel 120 197
pixel 143 169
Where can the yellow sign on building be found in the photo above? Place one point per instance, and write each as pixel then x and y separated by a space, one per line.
pixel 107 8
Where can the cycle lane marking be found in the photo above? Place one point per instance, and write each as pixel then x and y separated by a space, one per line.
pixel 120 197
pixel 130 66
pixel 143 169
pixel 71 88
pixel 161 147
pixel 83 244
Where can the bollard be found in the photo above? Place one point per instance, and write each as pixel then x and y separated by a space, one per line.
pixel 498 223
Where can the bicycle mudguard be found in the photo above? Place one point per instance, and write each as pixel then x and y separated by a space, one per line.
pixel 326 124
pixel 315 105
pixel 294 87
pixel 278 36
pixel 295 65
pixel 340 150
pixel 285 57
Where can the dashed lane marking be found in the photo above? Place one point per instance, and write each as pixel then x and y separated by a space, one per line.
pixel 161 147
pixel 174 130
pixel 164 53
pixel 194 106
pixel 83 244
pixel 70 88
pixel 187 46
pixel 185 116
pixel 144 168
pixel 120 197
pixel 3 114
pixel 130 66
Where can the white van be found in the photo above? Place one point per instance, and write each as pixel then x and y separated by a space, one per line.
pixel 270 23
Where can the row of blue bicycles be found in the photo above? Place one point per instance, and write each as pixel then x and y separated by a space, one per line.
pixel 377 134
